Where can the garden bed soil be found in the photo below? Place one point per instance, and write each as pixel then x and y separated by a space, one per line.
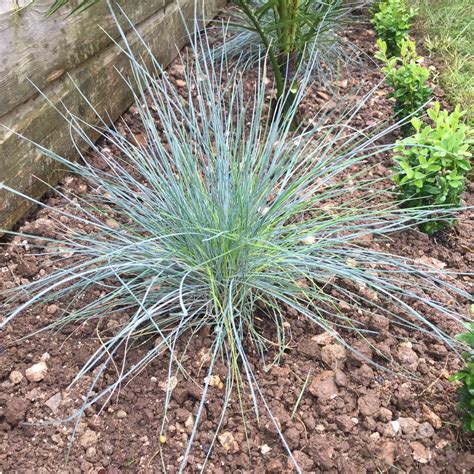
pixel 352 417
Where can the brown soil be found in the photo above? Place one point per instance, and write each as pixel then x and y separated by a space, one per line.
pixel 351 418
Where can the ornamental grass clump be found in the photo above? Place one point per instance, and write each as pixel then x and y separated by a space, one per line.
pixel 223 213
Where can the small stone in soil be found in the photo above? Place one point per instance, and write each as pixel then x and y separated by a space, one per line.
pixel 430 262
pixel 16 377
pixel 228 442
pixel 121 414
pixel 385 414
pixel 421 454
pixel 36 372
pixel 369 404
pixel 362 348
pixel 53 402
pixel 309 348
pixel 340 378
pixel 344 423
pixel 214 381
pixel 409 426
pixel 304 461
pixel 265 449
pixel 274 466
pixel 364 374
pixel 395 424
pixel 179 394
pixel 57 439
pixel 177 70
pixel 91 453
pixel 88 439
pixel 27 268
pixel 169 384
pixel 430 416
pixel 193 390
pixel 323 386
pixel 388 453
pixel 107 447
pixel 270 429
pixel 15 411
pixel 189 424
pixel 292 437
pixel 404 396
pixel 379 323
pixel 323 339
pixel 342 83
pixel 52 309
pixel 323 95
pixel 182 414
pixel 333 355
pixel 425 430
pixel 407 356
pixel 369 423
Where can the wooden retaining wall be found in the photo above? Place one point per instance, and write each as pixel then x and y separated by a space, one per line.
pixel 45 50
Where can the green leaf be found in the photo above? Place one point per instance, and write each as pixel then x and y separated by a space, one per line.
pixel 417 123
pixel 464 164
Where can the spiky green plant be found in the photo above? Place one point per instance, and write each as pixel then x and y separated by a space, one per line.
pixel 290 31
pixel 222 211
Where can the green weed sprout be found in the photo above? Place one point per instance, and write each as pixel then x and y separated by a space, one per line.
pixel 392 24
pixel 222 211
pixel 466 377
pixel 432 165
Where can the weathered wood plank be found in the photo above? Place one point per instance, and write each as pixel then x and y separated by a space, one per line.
pixel 41 49
pixel 21 165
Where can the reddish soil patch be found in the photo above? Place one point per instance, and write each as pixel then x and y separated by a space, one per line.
pixel 351 418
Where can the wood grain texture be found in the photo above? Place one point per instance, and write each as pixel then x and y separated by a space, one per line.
pixel 41 49
pixel 27 170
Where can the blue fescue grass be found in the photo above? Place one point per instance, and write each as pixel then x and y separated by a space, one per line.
pixel 226 209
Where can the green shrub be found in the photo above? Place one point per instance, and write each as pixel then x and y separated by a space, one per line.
pixel 466 377
pixel 392 23
pixel 224 220
pixel 433 163
pixel 407 76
